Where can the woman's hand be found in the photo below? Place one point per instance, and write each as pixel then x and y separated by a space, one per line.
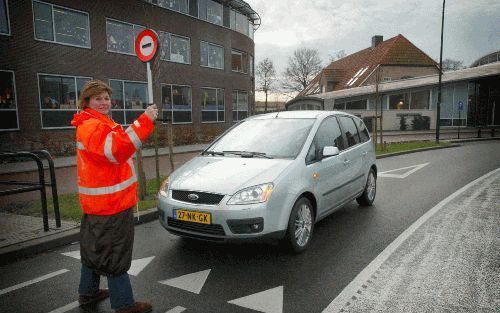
pixel 152 112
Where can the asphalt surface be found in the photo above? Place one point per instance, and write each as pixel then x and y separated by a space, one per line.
pixel 343 245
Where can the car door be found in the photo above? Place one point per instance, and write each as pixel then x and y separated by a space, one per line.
pixel 328 174
pixel 354 155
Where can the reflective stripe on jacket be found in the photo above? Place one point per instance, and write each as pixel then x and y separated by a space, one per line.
pixel 107 181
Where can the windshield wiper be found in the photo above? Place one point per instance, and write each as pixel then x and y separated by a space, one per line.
pixel 213 152
pixel 248 154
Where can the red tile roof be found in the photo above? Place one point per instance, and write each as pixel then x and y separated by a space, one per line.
pixel 394 51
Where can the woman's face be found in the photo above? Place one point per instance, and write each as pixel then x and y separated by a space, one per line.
pixel 101 102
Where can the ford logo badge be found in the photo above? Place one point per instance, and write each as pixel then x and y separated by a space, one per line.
pixel 193 197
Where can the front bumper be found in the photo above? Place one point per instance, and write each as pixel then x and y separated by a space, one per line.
pixel 229 223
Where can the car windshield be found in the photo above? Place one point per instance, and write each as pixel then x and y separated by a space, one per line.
pixel 275 138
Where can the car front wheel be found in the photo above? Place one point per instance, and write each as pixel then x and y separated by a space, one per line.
pixel 300 225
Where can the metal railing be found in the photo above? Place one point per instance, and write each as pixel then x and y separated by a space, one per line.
pixel 28 186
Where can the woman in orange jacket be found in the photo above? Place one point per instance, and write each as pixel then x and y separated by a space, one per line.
pixel 107 187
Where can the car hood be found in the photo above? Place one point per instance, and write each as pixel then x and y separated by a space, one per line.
pixel 226 175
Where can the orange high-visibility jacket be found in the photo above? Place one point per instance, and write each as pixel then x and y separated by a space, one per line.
pixel 107 182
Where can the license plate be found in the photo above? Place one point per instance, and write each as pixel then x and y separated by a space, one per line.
pixel 191 216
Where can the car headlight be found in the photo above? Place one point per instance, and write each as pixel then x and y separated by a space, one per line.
pixel 254 194
pixel 164 188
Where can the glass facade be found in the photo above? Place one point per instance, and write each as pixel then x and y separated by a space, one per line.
pixel 58 96
pixel 61 25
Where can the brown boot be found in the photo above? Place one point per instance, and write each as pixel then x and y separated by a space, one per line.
pixel 138 307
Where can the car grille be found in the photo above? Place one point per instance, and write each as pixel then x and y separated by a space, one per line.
pixel 209 229
pixel 203 197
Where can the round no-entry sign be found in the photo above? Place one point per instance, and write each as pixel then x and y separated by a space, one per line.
pixel 146 45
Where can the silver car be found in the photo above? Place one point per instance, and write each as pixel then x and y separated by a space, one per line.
pixel 271 176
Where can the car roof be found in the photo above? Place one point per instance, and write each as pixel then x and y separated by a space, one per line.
pixel 299 114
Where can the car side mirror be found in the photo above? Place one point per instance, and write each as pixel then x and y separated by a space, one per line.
pixel 329 151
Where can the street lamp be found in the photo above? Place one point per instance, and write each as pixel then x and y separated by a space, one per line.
pixel 438 108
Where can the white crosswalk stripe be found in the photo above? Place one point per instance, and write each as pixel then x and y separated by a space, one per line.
pixel 33 281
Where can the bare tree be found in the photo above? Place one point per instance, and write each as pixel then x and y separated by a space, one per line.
pixel 452 65
pixel 266 77
pixel 303 66
pixel 337 56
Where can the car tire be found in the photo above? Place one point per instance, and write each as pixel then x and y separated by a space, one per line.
pixel 300 225
pixel 368 195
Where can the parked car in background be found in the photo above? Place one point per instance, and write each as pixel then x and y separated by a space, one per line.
pixel 271 176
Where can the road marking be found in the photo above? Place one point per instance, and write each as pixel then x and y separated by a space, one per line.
pixel 66 308
pixel 268 301
pixel 177 309
pixel 413 168
pixel 135 268
pixel 350 290
pixel 138 265
pixel 33 281
pixel 191 282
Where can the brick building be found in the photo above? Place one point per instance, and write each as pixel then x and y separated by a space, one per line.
pixel 203 76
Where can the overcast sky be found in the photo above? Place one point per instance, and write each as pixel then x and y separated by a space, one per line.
pixel 471 29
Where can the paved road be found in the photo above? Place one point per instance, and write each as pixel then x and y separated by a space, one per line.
pixel 343 245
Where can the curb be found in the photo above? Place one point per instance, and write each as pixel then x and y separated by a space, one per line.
pixel 36 246
pixel 386 155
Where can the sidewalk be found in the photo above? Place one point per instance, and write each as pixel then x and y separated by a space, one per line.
pixel 447 261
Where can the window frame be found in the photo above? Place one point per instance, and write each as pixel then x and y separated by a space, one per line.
pixel 237 99
pixel 170 48
pixel 244 64
pixel 216 110
pixel 55 110
pixel 123 22
pixel 53 24
pixel 172 110
pixel 346 141
pixel 208 55
pixel 187 6
pixel 315 141
pixel 123 97
pixel 17 106
pixel 9 33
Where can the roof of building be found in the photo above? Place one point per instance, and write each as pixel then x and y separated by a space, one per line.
pixel 489 58
pixel 352 70
pixel 384 87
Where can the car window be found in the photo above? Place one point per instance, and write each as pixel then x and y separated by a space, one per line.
pixel 350 130
pixel 328 134
pixel 363 132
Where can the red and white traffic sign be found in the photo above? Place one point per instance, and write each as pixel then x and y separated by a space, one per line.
pixel 146 45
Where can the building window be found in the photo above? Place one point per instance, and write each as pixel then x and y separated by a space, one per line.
pixel 8 102
pixel 4 18
pixel 240 105
pixel 210 11
pixel 419 100
pixel 350 105
pixel 59 98
pixel 175 5
pixel 250 65
pixel 241 23
pixel 176 103
pixel 211 55
pixel 212 105
pixel 61 25
pixel 238 61
pixel 175 48
pixel 128 101
pixel 121 36
pixel 399 102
